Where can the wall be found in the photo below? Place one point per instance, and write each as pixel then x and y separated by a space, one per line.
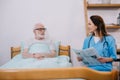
pixel 64 20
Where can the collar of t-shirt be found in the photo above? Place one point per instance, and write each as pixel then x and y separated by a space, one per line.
pixel 96 39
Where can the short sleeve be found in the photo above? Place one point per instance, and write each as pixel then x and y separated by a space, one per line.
pixel 52 45
pixel 112 48
pixel 86 43
pixel 28 42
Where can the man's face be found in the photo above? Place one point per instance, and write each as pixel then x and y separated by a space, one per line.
pixel 39 32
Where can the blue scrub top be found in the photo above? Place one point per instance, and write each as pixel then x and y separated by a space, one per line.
pixel 105 48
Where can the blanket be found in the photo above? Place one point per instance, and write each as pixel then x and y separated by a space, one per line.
pixel 19 62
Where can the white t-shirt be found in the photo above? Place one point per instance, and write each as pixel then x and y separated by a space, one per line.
pixel 96 39
pixel 47 42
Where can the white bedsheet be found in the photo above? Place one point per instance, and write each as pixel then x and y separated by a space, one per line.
pixel 19 62
pixel 57 62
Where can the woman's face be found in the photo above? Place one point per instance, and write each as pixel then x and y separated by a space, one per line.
pixel 91 27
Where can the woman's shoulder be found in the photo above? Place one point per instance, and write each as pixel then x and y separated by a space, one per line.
pixel 110 38
pixel 88 37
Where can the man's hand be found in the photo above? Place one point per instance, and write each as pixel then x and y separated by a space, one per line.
pixel 38 56
pixel 26 55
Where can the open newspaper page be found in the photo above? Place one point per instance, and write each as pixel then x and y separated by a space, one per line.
pixel 89 56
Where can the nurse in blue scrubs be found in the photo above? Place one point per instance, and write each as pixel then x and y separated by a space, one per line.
pixel 102 42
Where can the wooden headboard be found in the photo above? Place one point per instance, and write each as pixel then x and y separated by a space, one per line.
pixel 15 51
pixel 63 50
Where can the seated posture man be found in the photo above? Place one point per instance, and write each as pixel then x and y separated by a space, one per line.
pixel 40 46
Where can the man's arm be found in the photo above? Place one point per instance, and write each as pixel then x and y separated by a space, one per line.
pixel 51 54
pixel 25 54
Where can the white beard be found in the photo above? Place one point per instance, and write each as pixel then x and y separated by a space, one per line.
pixel 39 36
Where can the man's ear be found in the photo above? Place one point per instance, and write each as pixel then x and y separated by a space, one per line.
pixel 34 31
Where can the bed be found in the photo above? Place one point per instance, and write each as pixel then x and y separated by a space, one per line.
pixel 55 73
pixel 62 59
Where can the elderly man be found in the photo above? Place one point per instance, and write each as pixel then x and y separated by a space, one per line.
pixel 40 46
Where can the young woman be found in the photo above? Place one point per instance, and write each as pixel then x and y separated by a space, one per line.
pixel 103 43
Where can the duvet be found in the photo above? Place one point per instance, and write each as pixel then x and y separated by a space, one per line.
pixel 19 62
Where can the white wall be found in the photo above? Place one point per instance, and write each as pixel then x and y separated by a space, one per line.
pixel 63 18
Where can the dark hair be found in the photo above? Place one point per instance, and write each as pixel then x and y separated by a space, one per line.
pixel 98 21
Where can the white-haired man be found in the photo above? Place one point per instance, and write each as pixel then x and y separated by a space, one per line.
pixel 34 48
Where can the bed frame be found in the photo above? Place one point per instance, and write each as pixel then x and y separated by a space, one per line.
pixel 55 73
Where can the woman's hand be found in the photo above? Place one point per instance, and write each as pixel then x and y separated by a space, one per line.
pixel 79 58
pixel 102 60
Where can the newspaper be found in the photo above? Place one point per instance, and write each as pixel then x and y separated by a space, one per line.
pixel 89 56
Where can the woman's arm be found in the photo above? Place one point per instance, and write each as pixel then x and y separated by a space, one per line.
pixel 112 51
pixel 104 60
